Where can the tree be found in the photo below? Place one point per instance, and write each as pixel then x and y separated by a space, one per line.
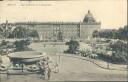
pixel 121 33
pixel 22 32
pixel 5 30
pixel 120 47
pixel 119 57
pixel 33 34
pixel 73 46
pixel 95 33
pixel 22 45
pixel 19 32
pixel 121 50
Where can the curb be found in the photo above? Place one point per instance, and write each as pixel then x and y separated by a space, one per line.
pixel 91 60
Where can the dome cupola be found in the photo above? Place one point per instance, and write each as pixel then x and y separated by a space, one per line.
pixel 89 18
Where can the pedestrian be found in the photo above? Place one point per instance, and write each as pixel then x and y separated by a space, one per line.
pixel 0 60
pixel 7 72
pixel 41 69
pixel 56 68
pixel 22 67
pixel 49 73
pixel 108 65
pixel 44 45
pixel 42 72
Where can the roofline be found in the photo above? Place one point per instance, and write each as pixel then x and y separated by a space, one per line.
pixel 52 23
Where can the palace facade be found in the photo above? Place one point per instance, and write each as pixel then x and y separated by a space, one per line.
pixel 61 31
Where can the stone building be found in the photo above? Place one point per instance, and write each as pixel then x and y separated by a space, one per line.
pixel 63 31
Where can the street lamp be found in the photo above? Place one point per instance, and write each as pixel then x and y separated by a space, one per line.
pixel 0 63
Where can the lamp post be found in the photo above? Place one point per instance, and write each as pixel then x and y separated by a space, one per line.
pixel 108 64
pixel 127 62
pixel 59 57
pixel 0 63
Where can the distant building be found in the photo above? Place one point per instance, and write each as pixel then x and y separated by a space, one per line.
pixel 63 31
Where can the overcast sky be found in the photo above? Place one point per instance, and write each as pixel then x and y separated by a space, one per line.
pixel 111 13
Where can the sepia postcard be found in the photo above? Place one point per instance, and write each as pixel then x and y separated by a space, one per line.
pixel 63 41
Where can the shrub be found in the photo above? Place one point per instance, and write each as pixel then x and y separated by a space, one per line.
pixel 73 46
pixel 119 57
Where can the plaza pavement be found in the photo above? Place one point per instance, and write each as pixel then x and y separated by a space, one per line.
pixel 70 68
pixel 77 69
pixel 73 69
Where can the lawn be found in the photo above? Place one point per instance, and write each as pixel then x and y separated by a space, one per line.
pixel 49 47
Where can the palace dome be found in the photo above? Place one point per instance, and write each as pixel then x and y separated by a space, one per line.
pixel 89 18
